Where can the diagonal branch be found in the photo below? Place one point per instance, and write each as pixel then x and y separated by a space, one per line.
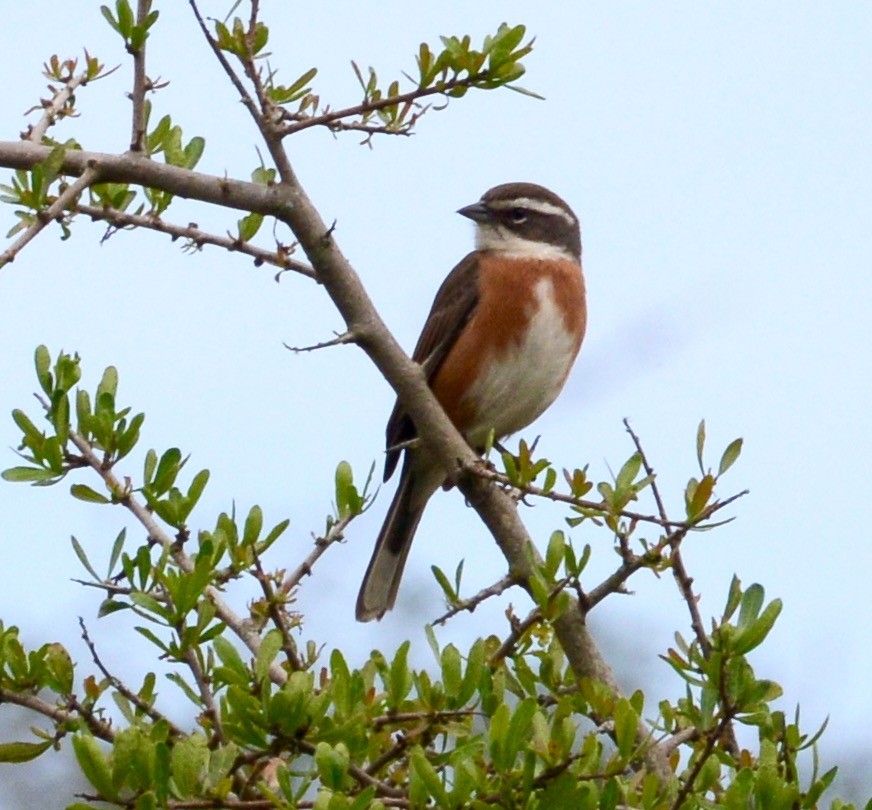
pixel 55 107
pixel 243 628
pixel 66 199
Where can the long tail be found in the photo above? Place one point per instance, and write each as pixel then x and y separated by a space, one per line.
pixel 382 579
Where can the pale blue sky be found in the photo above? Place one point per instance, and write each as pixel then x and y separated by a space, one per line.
pixel 718 157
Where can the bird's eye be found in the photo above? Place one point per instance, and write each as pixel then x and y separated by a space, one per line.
pixel 518 215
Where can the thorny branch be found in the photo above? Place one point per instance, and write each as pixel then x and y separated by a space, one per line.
pixel 146 708
pixel 196 238
pixel 55 107
pixel 498 587
pixel 140 83
pixel 335 533
pixel 275 604
pixel 682 579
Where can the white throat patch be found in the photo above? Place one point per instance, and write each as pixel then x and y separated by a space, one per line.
pixel 493 236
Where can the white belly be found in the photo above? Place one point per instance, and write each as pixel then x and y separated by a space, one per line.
pixel 527 377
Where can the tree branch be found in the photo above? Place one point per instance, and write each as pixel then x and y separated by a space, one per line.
pixel 121 219
pixel 65 200
pixel 140 83
pixel 55 107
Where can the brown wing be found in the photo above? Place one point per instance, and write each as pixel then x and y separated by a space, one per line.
pixel 452 309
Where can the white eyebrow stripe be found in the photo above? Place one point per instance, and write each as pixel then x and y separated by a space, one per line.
pixel 540 206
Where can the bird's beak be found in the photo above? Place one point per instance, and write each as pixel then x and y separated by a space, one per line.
pixel 478 212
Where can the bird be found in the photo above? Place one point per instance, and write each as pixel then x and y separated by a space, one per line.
pixel 502 335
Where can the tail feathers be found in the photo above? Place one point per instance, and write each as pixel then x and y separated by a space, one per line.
pixel 382 579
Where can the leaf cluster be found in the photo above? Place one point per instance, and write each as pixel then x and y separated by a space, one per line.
pixel 506 722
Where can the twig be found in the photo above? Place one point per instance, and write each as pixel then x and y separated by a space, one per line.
pixel 414 717
pixel 473 602
pixel 140 83
pixel 55 107
pixel 334 535
pixel 508 646
pixel 361 776
pixel 64 200
pixel 197 237
pixel 244 95
pixel 206 695
pixel 146 708
pixel 276 608
pixel 339 340
pixel 682 578
pixel 482 471
pixel 724 727
pixel 328 118
pixel 669 745
pixel 61 717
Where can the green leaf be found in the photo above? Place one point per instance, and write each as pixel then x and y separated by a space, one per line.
pixel 332 764
pixel 444 583
pixel 518 733
pixel 42 361
pixel 400 680
pixel 60 668
pixel 84 493
pixel 94 764
pixel 108 383
pixel 14 752
pixel 626 723
pixel 348 501
pixel 80 553
pixel 429 778
pixel 249 226
pixel 190 759
pixel 451 667
pixel 700 445
pixel 555 554
pixel 253 526
pixel 734 598
pixel 193 152
pixel 269 649
pixel 27 474
pixel 752 601
pixel 754 634
pixel 734 448
pixel 167 469
pixel 198 484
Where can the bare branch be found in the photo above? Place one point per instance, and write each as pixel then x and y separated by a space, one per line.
pixel 334 535
pixel 498 587
pixel 678 739
pixel 61 717
pixel 192 659
pixel 244 95
pixel 146 708
pixel 339 340
pixel 196 237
